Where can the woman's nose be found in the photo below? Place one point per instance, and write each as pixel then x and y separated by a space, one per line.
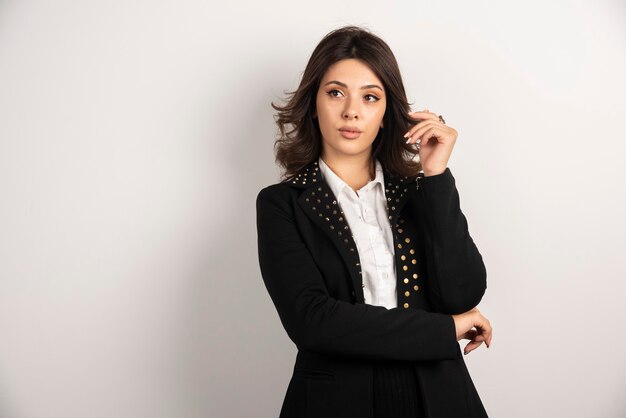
pixel 350 114
pixel 351 110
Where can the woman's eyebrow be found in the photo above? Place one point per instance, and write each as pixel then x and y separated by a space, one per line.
pixel 368 86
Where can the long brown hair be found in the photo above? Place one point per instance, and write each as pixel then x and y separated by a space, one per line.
pixel 300 140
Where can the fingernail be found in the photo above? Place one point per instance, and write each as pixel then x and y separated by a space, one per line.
pixel 406 134
pixel 407 141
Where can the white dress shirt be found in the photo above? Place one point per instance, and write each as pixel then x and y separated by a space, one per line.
pixel 366 215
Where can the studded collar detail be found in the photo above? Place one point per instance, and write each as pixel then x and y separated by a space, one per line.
pixel 320 204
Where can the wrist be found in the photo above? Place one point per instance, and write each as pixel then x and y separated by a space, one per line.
pixel 457 325
pixel 435 172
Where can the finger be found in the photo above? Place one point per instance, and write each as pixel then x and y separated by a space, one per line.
pixel 479 337
pixel 488 334
pixel 475 336
pixel 431 135
pixel 424 115
pixel 486 330
pixel 420 121
pixel 414 128
pixel 472 346
pixel 486 337
pixel 469 335
pixel 419 130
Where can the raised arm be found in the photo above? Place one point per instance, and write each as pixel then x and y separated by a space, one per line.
pixel 318 322
pixel 456 273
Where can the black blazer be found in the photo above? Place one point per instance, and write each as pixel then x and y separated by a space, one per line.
pixel 311 268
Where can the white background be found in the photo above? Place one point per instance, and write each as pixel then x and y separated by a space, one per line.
pixel 135 135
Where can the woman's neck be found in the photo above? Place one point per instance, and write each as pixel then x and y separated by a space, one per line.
pixel 356 172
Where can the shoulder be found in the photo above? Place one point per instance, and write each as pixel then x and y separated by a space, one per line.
pixel 276 189
pixel 281 194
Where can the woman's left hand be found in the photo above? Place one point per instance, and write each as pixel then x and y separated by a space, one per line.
pixel 435 139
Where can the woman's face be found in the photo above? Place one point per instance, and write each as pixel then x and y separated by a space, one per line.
pixel 350 95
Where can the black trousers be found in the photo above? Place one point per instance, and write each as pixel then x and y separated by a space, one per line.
pixel 396 392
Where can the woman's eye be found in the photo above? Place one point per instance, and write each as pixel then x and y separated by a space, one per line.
pixel 368 97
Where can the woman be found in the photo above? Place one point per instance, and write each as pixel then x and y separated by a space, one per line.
pixel 365 252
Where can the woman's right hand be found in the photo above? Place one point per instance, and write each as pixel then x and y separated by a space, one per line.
pixel 472 325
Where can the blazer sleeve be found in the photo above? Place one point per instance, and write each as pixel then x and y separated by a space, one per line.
pixel 318 322
pixel 457 276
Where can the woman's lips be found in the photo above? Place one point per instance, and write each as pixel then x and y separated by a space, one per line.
pixel 349 134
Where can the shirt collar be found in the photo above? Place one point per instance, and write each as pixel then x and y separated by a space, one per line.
pixel 337 185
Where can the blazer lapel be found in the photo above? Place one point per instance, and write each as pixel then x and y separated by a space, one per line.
pixel 322 207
